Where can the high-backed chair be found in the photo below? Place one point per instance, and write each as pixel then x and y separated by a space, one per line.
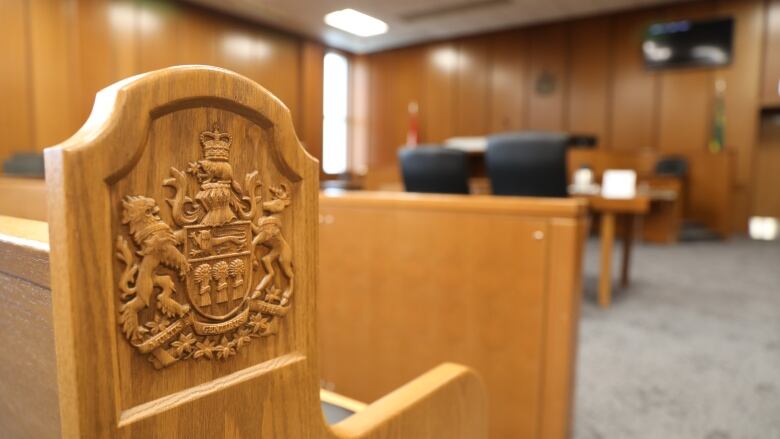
pixel 529 164
pixel 434 169
pixel 672 166
pixel 183 260
pixel 24 164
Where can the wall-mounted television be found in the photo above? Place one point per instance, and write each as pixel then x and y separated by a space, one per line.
pixel 687 43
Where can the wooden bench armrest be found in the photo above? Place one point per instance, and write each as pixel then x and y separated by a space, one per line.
pixel 447 401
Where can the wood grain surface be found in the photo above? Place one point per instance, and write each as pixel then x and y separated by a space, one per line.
pixel 57 64
pixel 29 407
pixel 408 280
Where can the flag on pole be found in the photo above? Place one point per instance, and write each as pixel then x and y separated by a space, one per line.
pixel 719 118
pixel 412 134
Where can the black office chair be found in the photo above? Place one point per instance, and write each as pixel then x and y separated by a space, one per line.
pixel 435 169
pixel 530 164
pixel 672 167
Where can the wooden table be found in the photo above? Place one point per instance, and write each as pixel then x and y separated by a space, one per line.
pixel 610 210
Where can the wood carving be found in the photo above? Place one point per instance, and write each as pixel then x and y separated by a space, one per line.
pixel 189 289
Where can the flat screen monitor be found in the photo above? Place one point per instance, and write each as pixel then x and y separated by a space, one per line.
pixel 688 43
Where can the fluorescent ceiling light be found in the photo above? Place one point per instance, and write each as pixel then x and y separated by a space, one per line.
pixel 356 22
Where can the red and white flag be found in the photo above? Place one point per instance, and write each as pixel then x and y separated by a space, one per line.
pixel 412 135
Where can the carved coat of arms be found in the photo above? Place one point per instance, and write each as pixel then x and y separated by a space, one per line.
pixel 220 276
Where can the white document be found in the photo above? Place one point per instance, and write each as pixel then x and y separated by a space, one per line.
pixel 618 183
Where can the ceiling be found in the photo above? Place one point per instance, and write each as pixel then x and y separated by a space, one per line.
pixel 414 21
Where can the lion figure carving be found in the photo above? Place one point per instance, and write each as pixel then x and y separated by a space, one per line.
pixel 157 245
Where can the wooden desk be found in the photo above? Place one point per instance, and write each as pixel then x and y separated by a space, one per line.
pixel 707 192
pixel 610 210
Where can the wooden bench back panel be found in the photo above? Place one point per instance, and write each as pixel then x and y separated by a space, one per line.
pixel 161 209
pixel 408 280
pixel 29 407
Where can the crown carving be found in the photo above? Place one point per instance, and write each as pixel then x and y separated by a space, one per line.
pixel 216 144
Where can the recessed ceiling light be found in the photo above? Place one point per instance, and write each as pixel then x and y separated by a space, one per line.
pixel 356 22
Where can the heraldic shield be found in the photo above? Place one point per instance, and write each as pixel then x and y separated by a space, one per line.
pixel 219 257
pixel 215 277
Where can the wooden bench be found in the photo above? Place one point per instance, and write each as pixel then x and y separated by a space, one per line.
pixel 173 293
pixel 407 280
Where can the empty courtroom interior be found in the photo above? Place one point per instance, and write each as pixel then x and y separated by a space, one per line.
pixel 390 219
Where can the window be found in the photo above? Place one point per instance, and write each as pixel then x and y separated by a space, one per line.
pixel 334 111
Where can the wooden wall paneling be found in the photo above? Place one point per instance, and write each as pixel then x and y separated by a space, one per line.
pixel 473 82
pixel 395 83
pixel 685 110
pixel 742 100
pixel 197 38
pixel 235 47
pixel 310 131
pixel 686 95
pixel 54 83
pixel 16 113
pixel 633 92
pixel 407 88
pixel 95 62
pixel 358 113
pixel 381 150
pixel 588 89
pixel 549 60
pixel 771 75
pixel 270 58
pixel 124 16
pixel 276 65
pixel 158 39
pixel 437 112
pixel 508 82
pixel 63 52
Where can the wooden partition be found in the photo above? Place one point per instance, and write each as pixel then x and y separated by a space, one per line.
pixel 492 282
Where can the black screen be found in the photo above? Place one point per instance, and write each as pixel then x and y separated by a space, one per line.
pixel 688 43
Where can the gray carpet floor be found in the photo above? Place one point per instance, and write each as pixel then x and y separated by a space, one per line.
pixel 690 350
